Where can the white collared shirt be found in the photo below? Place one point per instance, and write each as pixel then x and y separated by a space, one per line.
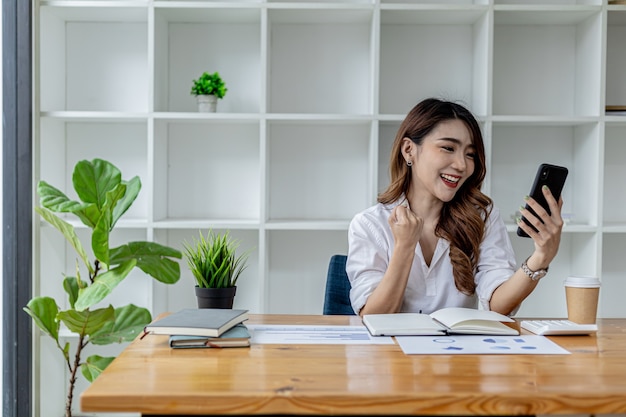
pixel 429 288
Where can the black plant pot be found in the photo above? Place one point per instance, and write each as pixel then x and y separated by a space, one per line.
pixel 215 297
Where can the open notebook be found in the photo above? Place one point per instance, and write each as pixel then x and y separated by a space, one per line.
pixel 452 320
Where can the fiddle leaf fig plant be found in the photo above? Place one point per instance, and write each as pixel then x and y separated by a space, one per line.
pixel 104 198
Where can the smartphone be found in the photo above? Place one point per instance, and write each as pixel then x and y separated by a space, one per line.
pixel 554 177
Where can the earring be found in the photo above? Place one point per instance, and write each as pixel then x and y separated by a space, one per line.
pixel 409 163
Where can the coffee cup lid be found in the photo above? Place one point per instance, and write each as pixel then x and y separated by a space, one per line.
pixel 582 282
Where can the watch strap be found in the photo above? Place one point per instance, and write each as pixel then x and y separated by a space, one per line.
pixel 533 275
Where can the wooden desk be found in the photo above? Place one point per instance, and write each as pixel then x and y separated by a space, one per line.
pixel 152 379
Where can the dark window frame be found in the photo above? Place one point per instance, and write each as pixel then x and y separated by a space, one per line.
pixel 17 207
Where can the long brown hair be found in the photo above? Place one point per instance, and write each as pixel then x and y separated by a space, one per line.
pixel 462 220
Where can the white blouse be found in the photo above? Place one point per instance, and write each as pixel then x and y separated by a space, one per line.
pixel 370 244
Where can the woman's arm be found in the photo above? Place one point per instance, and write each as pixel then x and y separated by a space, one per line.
pixel 547 240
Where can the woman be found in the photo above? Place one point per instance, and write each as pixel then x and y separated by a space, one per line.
pixel 434 240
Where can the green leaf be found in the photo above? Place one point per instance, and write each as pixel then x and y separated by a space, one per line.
pixel 71 286
pixel 94 365
pixel 152 258
pixel 44 312
pixel 103 285
pixel 66 350
pixel 100 236
pixel 68 231
pixel 54 200
pixel 92 180
pixel 129 322
pixel 132 190
pixel 87 322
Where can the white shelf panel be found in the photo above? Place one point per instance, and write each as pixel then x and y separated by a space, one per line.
pixel 209 170
pixel 190 41
pixel 303 224
pixel 547 63
pixel 317 171
pixel 297 268
pixel 452 70
pixel 616 59
pixel 614 174
pixel 305 44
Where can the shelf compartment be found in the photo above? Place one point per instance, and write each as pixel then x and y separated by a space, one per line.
pixel 547 62
pixel 93 60
pixel 616 59
pixel 611 303
pixel 614 174
pixel 517 151
pixel 317 170
pixel 65 142
pixel 411 69
pixel 206 170
pixel 298 264
pixel 542 3
pixel 189 41
pixel 320 61
pixel 181 295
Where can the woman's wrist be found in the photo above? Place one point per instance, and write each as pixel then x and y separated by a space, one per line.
pixel 535 263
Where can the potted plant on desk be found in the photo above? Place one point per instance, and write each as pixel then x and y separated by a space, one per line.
pixel 216 268
pixel 104 198
pixel 208 88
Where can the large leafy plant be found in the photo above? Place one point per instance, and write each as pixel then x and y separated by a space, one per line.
pixel 209 84
pixel 104 198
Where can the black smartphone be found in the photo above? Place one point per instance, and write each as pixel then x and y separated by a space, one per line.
pixel 554 177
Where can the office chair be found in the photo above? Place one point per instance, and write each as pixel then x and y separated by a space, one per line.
pixel 337 297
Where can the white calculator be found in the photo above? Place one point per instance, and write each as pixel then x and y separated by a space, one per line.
pixel 558 327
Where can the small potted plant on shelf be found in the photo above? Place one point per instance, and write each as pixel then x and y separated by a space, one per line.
pixel 104 198
pixel 216 268
pixel 208 88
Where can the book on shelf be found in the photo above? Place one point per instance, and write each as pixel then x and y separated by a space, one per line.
pixel 212 322
pixel 451 320
pixel 615 110
pixel 236 336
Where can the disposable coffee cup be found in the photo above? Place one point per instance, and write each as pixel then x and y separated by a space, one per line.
pixel 581 294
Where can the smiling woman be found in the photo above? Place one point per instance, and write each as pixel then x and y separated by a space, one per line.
pixel 434 239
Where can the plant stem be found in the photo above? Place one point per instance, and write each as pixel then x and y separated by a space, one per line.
pixel 73 370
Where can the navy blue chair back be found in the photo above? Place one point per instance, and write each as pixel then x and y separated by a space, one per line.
pixel 337 297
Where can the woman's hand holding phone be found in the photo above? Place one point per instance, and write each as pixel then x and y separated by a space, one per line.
pixel 542 219
pixel 552 176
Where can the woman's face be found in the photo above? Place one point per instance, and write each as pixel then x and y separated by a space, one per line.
pixel 444 160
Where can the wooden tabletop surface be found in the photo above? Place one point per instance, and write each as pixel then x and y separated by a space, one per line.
pixel 151 378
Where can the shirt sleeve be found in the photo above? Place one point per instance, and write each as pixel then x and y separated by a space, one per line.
pixel 368 257
pixel 497 259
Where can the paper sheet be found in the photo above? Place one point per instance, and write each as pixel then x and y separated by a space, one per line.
pixel 313 334
pixel 471 344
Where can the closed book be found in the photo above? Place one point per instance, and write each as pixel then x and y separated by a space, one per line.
pixel 211 322
pixel 237 336
pixel 451 320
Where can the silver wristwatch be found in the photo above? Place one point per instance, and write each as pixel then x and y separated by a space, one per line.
pixel 534 275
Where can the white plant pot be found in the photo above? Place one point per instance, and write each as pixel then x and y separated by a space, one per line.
pixel 207 104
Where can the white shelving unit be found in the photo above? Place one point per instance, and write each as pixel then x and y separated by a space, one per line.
pixel 300 143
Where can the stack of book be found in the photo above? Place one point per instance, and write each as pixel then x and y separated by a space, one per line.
pixel 203 328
